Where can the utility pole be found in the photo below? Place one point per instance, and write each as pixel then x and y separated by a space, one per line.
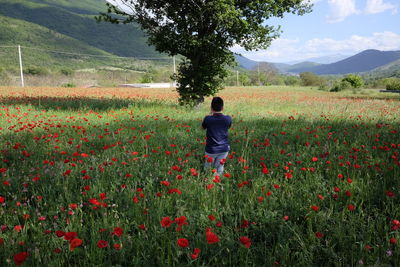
pixel 20 66
pixel 174 64
pixel 258 71
pixel 237 78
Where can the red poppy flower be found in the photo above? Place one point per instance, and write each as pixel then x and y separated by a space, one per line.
pixel 196 253
pixel 351 207
pixel 19 258
pixel 117 231
pixel 74 243
pixel 59 233
pixel 319 235
pixel 393 241
pixel 285 218
pixel 314 208
pixel 2 200
pixel 245 241
pixel 211 237
pixel 117 246
pixel 102 244
pixel 166 222
pixel 182 242
pixel 389 194
pixel 70 235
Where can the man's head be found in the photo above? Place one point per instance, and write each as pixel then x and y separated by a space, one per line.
pixel 217 104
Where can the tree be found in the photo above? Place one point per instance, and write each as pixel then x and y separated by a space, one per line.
pixel 310 79
pixel 355 80
pixel 203 32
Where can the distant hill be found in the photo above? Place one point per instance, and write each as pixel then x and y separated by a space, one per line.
pixel 361 62
pixel 381 63
pixel 322 60
pixel 389 70
pixel 121 40
pixel 14 31
pixel 249 64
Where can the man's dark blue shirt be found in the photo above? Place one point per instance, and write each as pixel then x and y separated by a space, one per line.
pixel 217 127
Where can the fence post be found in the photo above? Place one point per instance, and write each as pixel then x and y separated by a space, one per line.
pixel 20 66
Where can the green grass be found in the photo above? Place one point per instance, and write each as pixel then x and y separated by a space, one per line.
pixel 135 139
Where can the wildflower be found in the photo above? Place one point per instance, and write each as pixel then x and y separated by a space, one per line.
pixel 182 242
pixel 245 241
pixel 19 258
pixel 195 253
pixel 351 207
pixel 74 243
pixel 117 231
pixel 314 208
pixel 319 235
pixel 102 244
pixel 166 222
pixel 211 237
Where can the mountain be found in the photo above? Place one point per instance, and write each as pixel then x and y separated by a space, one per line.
pixel 322 60
pixel 362 62
pixel 67 26
pixel 386 71
pixel 244 62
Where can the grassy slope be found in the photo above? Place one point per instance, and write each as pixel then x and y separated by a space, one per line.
pixel 31 35
pixel 122 40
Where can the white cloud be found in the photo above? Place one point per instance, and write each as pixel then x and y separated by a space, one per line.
pixel 378 6
pixel 284 50
pixel 340 9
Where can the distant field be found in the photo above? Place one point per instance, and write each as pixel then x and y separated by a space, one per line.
pixel 113 177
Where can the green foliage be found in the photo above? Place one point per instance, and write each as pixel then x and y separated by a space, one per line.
pixel 310 79
pixel 66 72
pixel 146 78
pixel 354 80
pixel 393 84
pixel 340 86
pixel 35 70
pixel 291 80
pixel 203 32
pixel 68 85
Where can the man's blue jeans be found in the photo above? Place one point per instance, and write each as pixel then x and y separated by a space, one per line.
pixel 216 163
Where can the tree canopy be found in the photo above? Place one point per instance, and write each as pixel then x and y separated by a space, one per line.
pixel 203 31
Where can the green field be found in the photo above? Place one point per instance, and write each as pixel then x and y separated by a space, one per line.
pixel 114 177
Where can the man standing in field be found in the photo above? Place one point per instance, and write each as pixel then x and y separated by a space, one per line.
pixel 217 144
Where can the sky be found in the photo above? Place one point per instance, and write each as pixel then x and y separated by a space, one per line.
pixel 335 27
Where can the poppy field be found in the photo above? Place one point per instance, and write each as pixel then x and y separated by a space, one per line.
pixel 114 177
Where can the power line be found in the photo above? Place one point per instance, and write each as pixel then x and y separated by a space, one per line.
pixel 86 55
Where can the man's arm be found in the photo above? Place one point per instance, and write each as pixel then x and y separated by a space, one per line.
pixel 204 125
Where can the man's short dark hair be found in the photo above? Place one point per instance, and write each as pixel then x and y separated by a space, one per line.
pixel 217 103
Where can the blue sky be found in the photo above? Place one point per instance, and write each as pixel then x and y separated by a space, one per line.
pixel 334 27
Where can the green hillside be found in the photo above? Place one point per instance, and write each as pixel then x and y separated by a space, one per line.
pixel 389 70
pixel 58 16
pixel 30 35
pixel 77 6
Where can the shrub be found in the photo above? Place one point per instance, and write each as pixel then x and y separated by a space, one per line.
pixel 33 70
pixel 66 72
pixel 68 85
pixel 340 86
pixel 393 84
pixel 354 80
pixel 310 79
